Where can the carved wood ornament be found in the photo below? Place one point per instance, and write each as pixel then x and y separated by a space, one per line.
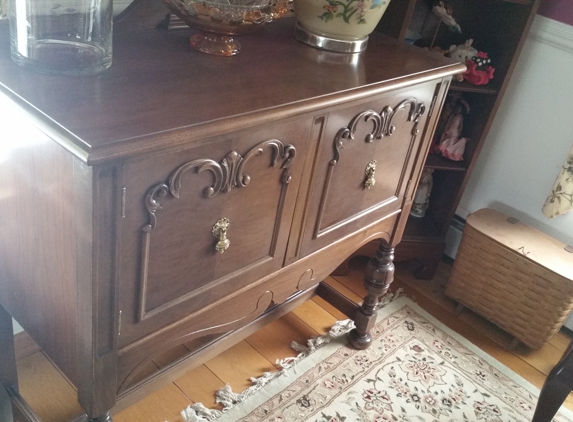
pixel 382 124
pixel 227 174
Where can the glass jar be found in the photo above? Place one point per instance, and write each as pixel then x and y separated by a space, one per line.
pixel 70 37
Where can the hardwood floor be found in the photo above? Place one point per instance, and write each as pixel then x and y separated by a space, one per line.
pixel 53 397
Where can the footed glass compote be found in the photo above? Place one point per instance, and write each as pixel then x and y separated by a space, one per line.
pixel 219 21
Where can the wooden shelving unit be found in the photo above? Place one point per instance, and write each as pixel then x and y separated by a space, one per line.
pixel 498 27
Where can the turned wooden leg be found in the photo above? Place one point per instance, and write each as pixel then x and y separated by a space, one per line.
pixel 86 418
pixel 378 276
pixel 550 400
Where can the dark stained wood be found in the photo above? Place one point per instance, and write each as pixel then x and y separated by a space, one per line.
pixel 179 367
pixel 97 197
pixel 181 247
pixel 197 91
pixel 20 409
pixel 378 276
pixel 347 306
pixel 109 259
pixel 37 239
pixel 8 374
pixel 340 203
pixel 556 388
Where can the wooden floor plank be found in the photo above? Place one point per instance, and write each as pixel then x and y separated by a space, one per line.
pixel 163 405
pixel 236 365
pixel 354 280
pixel 543 359
pixel 350 284
pixel 315 316
pixel 46 391
pixel 273 341
pixel 329 308
pixel 24 345
pixel 200 385
pixel 561 341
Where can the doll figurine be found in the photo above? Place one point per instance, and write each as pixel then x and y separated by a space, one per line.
pixel 451 144
pixel 422 197
pixel 444 12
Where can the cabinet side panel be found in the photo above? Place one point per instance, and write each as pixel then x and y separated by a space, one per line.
pixel 37 236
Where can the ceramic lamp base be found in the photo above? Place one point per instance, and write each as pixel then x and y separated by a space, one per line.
pixel 325 43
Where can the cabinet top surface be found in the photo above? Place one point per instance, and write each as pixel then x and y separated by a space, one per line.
pixel 158 85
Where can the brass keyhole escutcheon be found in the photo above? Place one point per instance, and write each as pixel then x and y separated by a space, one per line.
pixel 220 231
pixel 370 174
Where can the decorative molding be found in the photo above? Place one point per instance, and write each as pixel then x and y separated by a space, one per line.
pixel 227 174
pixel 197 330
pixel 306 280
pixel 553 33
pixel 382 124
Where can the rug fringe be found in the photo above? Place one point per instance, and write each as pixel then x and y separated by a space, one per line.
pixel 229 399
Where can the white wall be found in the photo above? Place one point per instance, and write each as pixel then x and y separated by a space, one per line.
pixel 17 327
pixel 531 134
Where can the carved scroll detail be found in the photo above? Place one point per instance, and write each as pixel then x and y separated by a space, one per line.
pixel 152 204
pixel 227 174
pixel 382 124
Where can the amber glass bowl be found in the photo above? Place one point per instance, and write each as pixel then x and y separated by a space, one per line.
pixel 220 20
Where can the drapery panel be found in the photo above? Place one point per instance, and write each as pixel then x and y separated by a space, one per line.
pixel 560 199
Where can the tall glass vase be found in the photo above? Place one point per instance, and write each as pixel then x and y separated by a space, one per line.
pixel 71 37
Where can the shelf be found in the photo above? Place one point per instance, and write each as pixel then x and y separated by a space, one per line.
pixel 421 228
pixel 467 87
pixel 437 162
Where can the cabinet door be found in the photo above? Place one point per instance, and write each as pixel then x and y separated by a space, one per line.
pixel 204 223
pixel 364 164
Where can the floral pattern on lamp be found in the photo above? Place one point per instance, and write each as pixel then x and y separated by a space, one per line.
pixel 351 9
pixel 345 21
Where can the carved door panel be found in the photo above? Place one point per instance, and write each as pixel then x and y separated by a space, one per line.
pixel 364 164
pixel 204 223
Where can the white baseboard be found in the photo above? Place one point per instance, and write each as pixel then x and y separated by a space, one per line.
pixel 454 236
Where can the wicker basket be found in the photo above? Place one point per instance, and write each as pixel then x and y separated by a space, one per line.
pixel 513 275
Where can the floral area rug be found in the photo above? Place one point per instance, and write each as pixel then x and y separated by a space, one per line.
pixel 416 370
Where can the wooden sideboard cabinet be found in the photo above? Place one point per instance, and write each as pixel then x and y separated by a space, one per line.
pixel 181 198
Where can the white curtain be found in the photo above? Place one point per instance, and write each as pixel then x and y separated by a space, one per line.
pixel 560 199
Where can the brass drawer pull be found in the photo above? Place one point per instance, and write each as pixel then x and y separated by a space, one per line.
pixel 220 231
pixel 370 174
